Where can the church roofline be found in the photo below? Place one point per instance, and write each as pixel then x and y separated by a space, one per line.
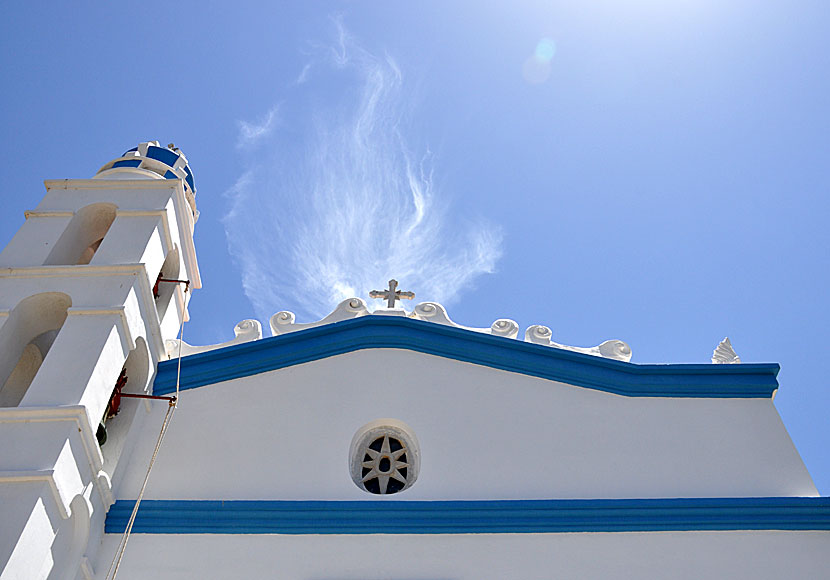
pixel 370 332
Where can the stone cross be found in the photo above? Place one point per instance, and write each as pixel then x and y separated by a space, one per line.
pixel 392 294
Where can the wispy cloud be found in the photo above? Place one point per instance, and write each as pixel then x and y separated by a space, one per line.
pixel 304 74
pixel 335 203
pixel 250 133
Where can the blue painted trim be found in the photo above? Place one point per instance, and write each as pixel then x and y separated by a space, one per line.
pixel 368 332
pixel 127 163
pixel 189 178
pixel 470 517
pixel 162 154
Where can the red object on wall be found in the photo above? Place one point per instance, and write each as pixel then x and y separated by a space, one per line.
pixel 115 400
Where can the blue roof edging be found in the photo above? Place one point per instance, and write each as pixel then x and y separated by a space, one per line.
pixel 621 378
pixel 470 516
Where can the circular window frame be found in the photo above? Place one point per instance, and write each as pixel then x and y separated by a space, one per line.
pixel 384 460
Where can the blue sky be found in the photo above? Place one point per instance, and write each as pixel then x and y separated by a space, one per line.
pixel 650 171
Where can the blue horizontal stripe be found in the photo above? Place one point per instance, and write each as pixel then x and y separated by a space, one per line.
pixel 470 517
pixel 369 332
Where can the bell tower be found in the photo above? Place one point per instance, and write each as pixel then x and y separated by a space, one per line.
pixel 93 283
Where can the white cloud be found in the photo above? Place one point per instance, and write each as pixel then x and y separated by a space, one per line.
pixel 304 74
pixel 250 133
pixel 335 203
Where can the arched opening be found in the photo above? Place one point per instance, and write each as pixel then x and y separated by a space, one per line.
pixel 25 341
pixel 84 234
pixel 86 255
pixel 121 411
pixel 163 290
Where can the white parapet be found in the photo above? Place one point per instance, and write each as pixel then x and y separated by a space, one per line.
pixel 284 322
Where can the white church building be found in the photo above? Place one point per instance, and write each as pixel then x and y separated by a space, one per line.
pixel 382 442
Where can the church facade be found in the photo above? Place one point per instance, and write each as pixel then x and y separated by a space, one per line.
pixel 388 443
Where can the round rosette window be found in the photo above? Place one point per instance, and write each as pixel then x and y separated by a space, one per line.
pixel 384 457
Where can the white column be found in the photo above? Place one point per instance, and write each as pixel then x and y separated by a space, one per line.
pixel 83 364
pixel 35 239
pixel 134 238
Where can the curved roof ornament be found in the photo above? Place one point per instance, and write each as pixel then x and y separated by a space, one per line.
pixel 284 322
pixel 725 354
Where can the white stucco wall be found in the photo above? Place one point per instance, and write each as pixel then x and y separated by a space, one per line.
pixel 756 555
pixel 484 434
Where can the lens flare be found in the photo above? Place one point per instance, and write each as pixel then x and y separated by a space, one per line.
pixel 545 50
pixel 536 69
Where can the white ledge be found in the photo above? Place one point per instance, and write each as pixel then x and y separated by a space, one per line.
pixel 156 183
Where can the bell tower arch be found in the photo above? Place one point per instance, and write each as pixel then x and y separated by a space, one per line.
pixel 86 303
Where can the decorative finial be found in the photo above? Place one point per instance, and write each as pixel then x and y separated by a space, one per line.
pixel 391 295
pixel 725 354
